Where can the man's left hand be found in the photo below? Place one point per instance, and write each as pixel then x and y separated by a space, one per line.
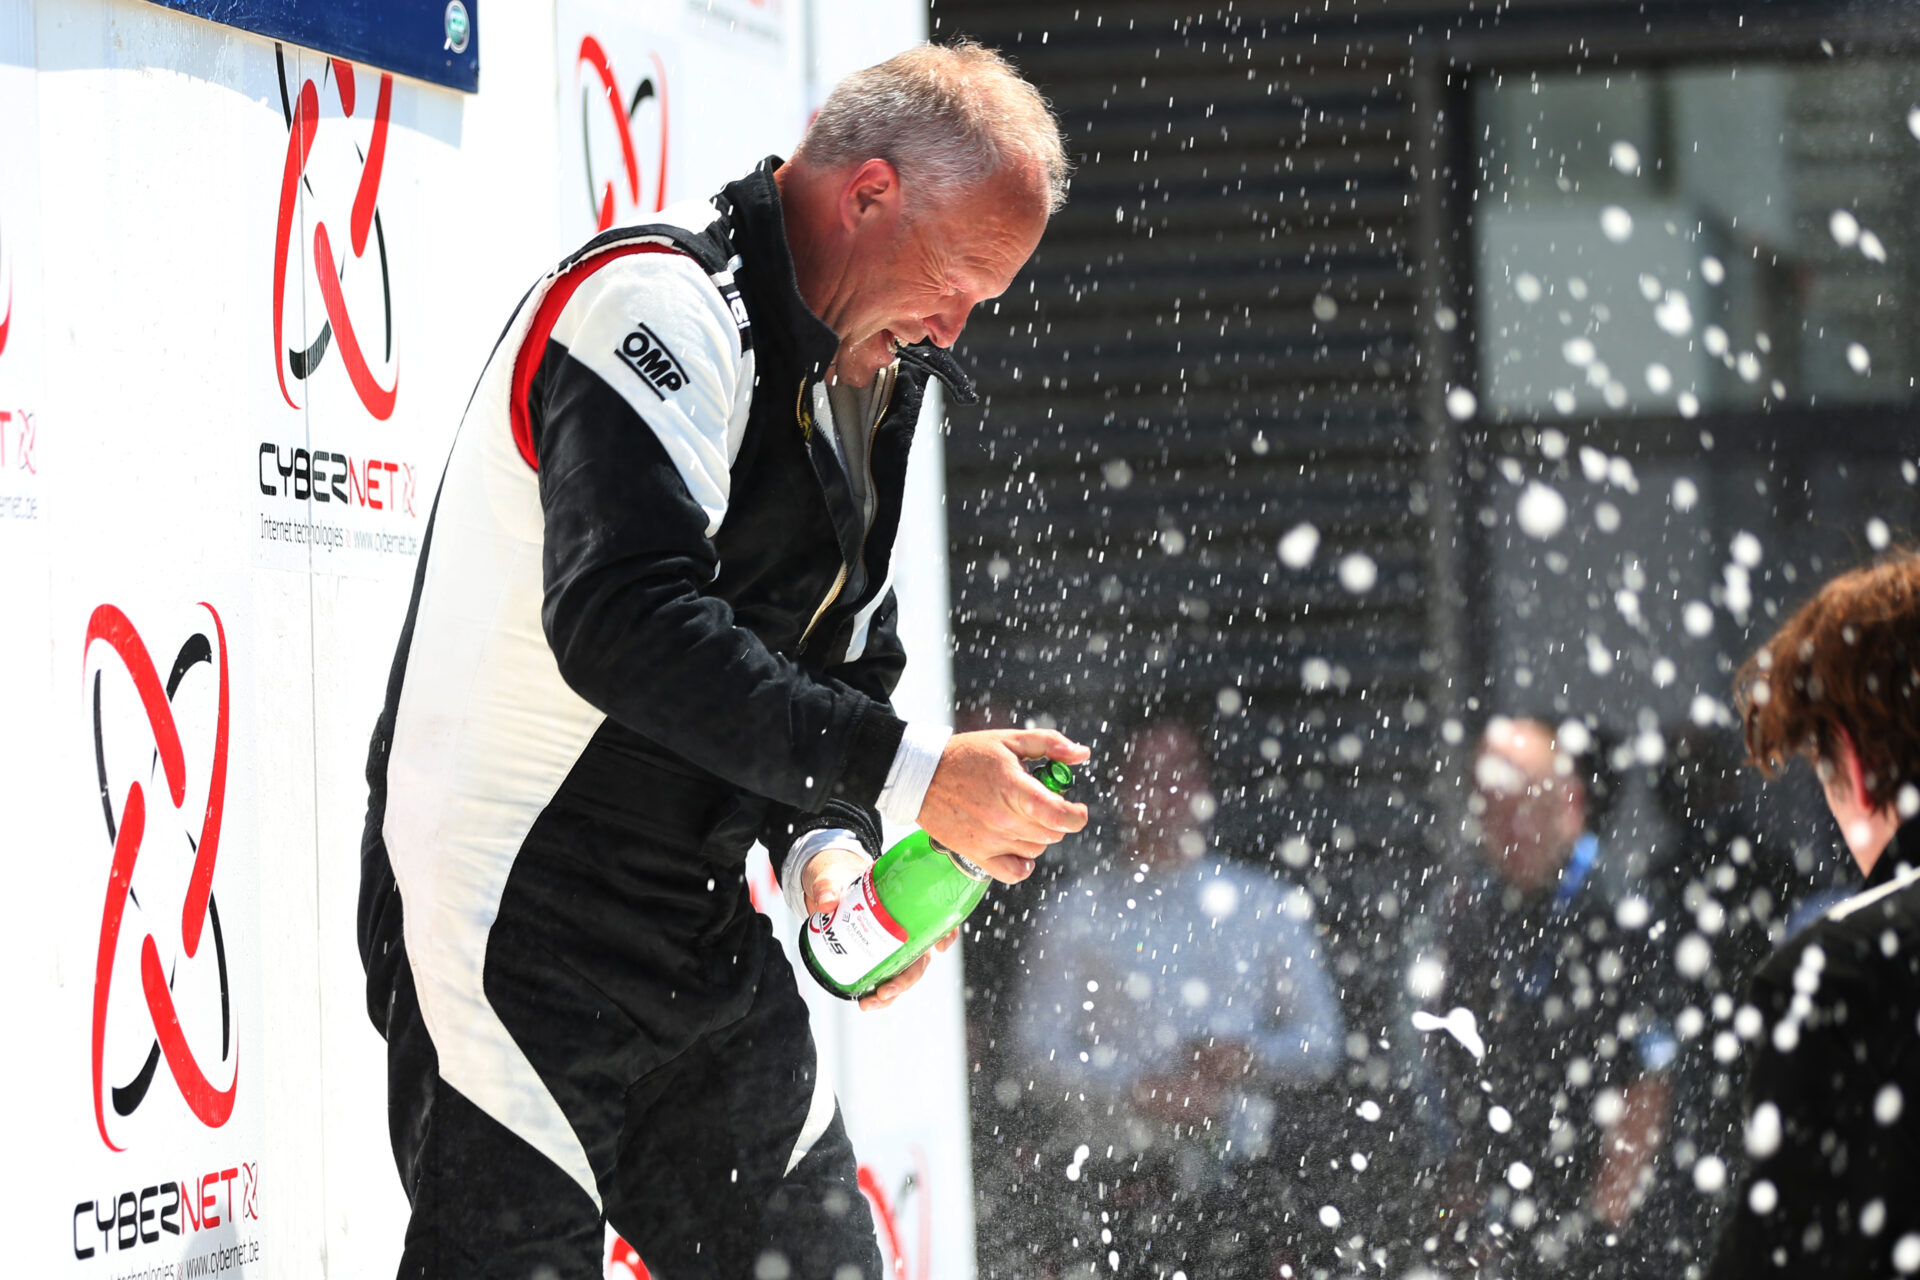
pixel 828 873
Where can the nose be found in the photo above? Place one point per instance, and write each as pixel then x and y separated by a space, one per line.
pixel 944 325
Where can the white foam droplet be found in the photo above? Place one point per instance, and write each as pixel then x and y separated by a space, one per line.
pixel 1712 270
pixel 1878 535
pixel 1368 1110
pixel 1871 247
pixel 1844 227
pixel 1519 1175
pixel 1358 572
pixel 1325 308
pixel 1459 1023
pixel 1888 1103
pixel 1329 1216
pixel 1625 157
pixel 1659 378
pixel 1461 404
pixel 1710 1174
pixel 1906 1254
pixel 1298 545
pixel 1697 618
pixel 1764 1197
pixel 1693 957
pixel 1541 511
pixel 1746 549
pixel 1527 286
pixel 1579 352
pixel 1499 1119
pixel 1616 223
pixel 1858 358
pixel 1763 1131
pixel 1688 404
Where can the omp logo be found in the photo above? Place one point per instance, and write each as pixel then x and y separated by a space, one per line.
pixel 361 175
pixel 605 198
pixel 647 356
pixel 163 737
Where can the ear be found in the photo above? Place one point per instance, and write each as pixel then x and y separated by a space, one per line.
pixel 871 188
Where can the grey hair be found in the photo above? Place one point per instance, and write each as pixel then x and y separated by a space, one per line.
pixel 946 117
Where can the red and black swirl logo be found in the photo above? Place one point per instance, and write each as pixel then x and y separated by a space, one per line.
pixel 160 750
pixel 609 197
pixel 329 269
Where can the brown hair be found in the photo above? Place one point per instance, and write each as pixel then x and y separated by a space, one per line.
pixel 1845 666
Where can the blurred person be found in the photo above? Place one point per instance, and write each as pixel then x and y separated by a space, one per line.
pixel 1174 997
pixel 1833 1085
pixel 1554 1054
pixel 652 623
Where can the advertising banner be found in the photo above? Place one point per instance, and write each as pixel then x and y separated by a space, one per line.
pixel 245 290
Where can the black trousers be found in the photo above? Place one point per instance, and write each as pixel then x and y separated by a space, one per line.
pixel 656 1007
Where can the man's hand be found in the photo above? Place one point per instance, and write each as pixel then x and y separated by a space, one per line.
pixel 828 873
pixel 985 807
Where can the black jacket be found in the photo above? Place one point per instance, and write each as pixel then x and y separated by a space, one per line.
pixel 647 592
pixel 1833 1092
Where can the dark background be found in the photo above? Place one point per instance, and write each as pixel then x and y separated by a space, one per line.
pixel 1234 328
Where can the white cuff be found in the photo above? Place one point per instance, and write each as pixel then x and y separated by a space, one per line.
pixel 793 870
pixel 912 772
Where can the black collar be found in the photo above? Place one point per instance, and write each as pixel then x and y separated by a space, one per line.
pixel 1902 850
pixel 781 317
pixel 782 320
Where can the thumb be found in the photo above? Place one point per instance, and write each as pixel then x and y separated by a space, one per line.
pixel 1034 744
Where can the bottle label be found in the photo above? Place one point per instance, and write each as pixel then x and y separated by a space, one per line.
pixel 851 940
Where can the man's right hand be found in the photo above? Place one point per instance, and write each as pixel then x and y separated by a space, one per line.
pixel 985 807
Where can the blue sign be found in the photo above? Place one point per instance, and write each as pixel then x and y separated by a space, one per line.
pixel 434 40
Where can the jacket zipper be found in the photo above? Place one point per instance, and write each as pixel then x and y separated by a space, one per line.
pixel 892 374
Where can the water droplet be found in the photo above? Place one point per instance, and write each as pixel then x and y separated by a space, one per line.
pixel 1461 404
pixel 1527 286
pixel 1519 1175
pixel 1579 352
pixel 1710 1174
pixel 1616 223
pixel 1712 270
pixel 1329 1216
pixel 1499 1119
pixel 1625 157
pixel 1324 308
pixel 1857 358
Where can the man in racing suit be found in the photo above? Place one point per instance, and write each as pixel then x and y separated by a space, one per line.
pixel 651 623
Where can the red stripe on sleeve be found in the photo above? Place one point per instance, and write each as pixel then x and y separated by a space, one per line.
pixel 527 362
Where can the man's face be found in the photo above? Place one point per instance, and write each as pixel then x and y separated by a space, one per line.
pixel 1529 816
pixel 920 274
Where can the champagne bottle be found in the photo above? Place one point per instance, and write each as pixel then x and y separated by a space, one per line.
pixel 911 898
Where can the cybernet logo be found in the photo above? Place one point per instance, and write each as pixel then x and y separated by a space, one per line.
pixel 605 199
pixel 160 753
pixel 320 168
